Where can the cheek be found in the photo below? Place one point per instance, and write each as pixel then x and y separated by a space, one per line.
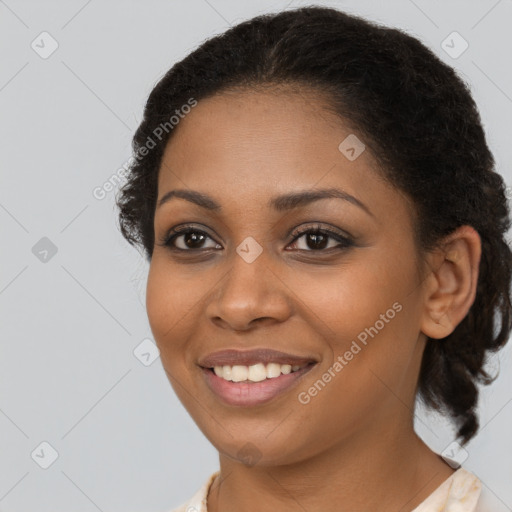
pixel 160 301
pixel 341 303
pixel 169 305
pixel 366 315
pixel 361 380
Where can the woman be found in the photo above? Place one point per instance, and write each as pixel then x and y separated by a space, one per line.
pixel 325 232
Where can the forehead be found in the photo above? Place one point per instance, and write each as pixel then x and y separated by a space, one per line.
pixel 263 130
pixel 246 146
pixel 261 125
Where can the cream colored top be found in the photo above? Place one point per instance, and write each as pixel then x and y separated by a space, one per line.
pixel 461 492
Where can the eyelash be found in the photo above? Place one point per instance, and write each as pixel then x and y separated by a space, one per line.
pixel 344 241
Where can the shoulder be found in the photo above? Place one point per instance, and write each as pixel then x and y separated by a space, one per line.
pixel 462 492
pixel 469 491
pixel 458 493
pixel 198 502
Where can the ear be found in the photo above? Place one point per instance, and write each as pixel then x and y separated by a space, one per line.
pixel 450 286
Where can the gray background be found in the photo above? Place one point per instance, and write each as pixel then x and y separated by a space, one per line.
pixel 70 321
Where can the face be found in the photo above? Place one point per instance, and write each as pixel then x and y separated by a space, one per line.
pixel 332 281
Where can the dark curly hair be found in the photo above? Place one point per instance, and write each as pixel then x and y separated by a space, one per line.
pixel 419 121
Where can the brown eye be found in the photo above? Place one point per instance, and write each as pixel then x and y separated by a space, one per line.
pixel 190 239
pixel 318 239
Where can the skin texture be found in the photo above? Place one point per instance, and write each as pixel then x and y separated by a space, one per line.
pixel 353 446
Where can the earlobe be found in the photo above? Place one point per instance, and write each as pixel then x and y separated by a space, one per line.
pixel 450 288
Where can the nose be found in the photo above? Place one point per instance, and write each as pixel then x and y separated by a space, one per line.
pixel 249 294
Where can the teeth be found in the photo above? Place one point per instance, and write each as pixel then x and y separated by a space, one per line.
pixel 273 370
pixel 286 369
pixel 239 373
pixel 226 370
pixel 255 373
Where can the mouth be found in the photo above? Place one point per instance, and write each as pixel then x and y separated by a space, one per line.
pixel 256 372
pixel 248 378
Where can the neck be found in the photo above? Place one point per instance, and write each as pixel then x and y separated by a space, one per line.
pixel 396 473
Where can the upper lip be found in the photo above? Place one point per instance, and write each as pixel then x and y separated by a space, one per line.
pixel 232 357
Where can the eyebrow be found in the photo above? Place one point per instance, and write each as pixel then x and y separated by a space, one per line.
pixel 280 203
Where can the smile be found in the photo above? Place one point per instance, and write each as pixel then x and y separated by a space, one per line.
pixel 246 392
pixel 254 373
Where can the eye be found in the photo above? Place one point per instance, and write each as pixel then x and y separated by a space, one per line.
pixel 318 237
pixel 190 239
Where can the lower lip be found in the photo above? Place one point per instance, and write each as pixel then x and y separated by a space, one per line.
pixel 252 393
